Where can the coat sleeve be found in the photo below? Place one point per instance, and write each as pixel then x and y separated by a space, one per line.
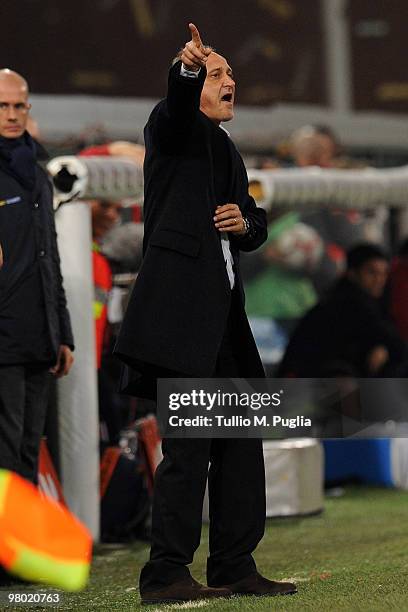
pixel 66 336
pixel 173 118
pixel 256 217
pixel 258 231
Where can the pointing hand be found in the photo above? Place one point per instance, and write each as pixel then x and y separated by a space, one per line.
pixel 194 54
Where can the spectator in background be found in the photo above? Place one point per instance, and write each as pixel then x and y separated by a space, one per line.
pixel 35 330
pixel 339 230
pixel 314 145
pixel 104 215
pixel 280 289
pixel 290 264
pixel 346 333
pixel 399 290
pixel 305 250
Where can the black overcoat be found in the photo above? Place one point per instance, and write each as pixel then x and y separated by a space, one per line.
pixel 34 320
pixel 178 309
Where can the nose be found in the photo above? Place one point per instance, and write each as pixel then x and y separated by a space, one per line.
pixel 11 113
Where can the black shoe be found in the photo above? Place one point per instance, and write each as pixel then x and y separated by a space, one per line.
pixel 255 584
pixel 187 589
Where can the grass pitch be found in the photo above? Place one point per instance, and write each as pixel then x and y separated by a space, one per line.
pixel 354 556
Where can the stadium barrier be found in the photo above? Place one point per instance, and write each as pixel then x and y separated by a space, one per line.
pixel 336 188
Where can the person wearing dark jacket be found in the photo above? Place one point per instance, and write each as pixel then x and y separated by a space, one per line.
pixel 186 316
pixel 399 290
pixel 347 333
pixel 35 332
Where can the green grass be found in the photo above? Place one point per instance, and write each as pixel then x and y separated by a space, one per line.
pixel 354 556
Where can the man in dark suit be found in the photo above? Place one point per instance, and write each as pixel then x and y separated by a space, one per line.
pixel 35 330
pixel 186 317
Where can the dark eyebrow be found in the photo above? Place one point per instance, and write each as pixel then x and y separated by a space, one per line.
pixel 13 103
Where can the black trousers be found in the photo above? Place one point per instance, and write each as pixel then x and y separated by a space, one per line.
pixel 23 406
pixel 236 481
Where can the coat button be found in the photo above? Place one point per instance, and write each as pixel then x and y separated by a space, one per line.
pixel 42 253
pixel 36 205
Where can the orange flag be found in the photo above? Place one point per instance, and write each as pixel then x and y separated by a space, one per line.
pixel 40 540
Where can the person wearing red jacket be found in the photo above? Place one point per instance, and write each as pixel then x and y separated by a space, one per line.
pixel 105 214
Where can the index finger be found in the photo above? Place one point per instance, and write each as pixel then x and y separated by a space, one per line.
pixel 195 35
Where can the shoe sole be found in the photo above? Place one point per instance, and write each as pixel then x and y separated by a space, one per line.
pixel 152 602
pixel 264 594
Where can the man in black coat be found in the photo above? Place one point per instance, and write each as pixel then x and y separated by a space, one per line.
pixel 347 333
pixel 35 332
pixel 186 317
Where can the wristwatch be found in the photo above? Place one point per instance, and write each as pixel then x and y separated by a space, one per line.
pixel 246 225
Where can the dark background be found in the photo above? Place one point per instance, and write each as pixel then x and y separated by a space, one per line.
pixel 276 47
pixel 379 43
pixel 123 47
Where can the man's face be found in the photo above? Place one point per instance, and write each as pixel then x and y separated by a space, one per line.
pixel 372 276
pixel 14 108
pixel 217 96
pixel 327 151
pixel 315 150
pixel 105 215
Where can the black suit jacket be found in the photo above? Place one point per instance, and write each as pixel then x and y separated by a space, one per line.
pixel 34 319
pixel 179 306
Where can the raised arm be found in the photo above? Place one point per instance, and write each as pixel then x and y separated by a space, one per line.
pixel 176 114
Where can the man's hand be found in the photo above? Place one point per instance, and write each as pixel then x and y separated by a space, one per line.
pixel 228 218
pixel 64 362
pixel 194 54
pixel 377 358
